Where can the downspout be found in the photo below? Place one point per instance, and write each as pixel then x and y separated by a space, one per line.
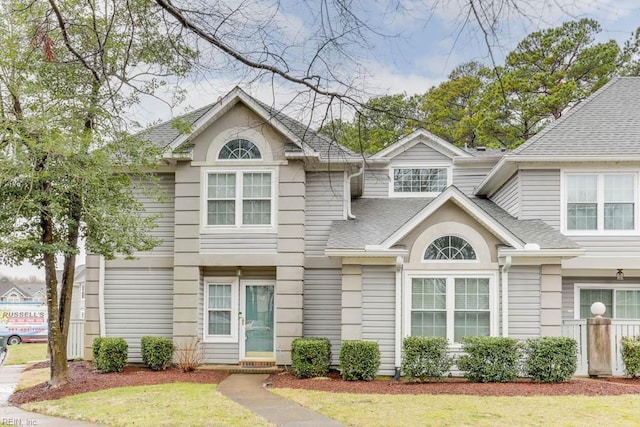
pixel 398 319
pixel 348 193
pixel 103 323
pixel 505 296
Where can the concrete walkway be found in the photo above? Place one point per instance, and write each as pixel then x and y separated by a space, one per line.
pixel 247 390
pixel 14 416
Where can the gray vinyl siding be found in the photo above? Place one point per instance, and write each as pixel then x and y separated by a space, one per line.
pixel 138 302
pixel 524 302
pixel 164 208
pixel 324 203
pixel 378 312
pixel 540 195
pixel 568 289
pixel 322 306
pixel 376 183
pixel 421 153
pixel 609 245
pixel 466 179
pixel 231 243
pixel 507 197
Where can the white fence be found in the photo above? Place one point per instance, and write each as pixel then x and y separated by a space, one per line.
pixel 577 329
pixel 75 342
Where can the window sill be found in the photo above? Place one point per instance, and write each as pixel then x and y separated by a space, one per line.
pixel 220 340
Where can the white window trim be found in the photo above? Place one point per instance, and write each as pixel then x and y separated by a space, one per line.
pixel 577 287
pixel 238 227
pixel 233 337
pixel 494 305
pixel 435 165
pixel 600 231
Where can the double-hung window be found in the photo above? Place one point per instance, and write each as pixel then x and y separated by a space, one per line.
pixel 419 181
pixel 221 314
pixel 601 202
pixel 620 303
pixel 239 198
pixel 451 306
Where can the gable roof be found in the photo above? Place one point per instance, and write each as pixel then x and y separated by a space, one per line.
pixel 304 141
pixel 421 136
pixel 604 127
pixel 383 222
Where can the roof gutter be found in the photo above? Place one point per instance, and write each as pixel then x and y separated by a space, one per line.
pixel 360 171
pixel 530 252
pixel 365 253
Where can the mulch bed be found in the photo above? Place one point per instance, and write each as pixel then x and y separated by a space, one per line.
pixel 84 379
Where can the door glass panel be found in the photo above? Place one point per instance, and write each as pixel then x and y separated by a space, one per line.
pixel 259 321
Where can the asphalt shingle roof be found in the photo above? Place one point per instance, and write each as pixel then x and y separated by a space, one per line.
pixel 606 123
pixel 165 133
pixel 377 219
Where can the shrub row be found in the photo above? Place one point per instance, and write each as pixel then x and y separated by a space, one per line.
pixel 110 354
pixel 157 352
pixel 631 355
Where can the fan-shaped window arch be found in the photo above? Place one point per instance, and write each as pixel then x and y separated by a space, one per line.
pixel 239 149
pixel 450 248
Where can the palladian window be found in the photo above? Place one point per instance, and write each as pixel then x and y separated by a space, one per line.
pixel 450 248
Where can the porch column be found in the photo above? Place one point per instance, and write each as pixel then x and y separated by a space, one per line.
pixel 186 283
pixel 551 300
pixel 351 302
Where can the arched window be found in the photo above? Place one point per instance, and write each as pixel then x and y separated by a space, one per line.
pixel 239 149
pixel 450 248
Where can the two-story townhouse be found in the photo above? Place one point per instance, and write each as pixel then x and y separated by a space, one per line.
pixel 272 232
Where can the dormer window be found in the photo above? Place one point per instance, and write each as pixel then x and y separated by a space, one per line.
pixel 419 181
pixel 239 149
pixel 449 248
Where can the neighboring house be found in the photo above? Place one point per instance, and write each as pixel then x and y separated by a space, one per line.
pixel 30 292
pixel 272 232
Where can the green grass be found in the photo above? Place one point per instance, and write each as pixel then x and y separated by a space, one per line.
pixel 22 354
pixel 182 404
pixel 454 410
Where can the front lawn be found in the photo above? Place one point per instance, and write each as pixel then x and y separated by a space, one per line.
pixel 21 354
pixel 183 404
pixel 457 410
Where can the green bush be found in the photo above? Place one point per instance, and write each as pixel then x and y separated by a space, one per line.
pixel 110 354
pixel 489 359
pixel 631 355
pixel 310 357
pixel 157 352
pixel 425 358
pixel 359 360
pixel 551 359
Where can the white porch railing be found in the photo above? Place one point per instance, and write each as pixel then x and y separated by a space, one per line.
pixel 577 329
pixel 75 341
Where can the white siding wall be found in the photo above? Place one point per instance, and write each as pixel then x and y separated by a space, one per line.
pixel 324 200
pixel 378 312
pixel 376 183
pixel 466 179
pixel 164 208
pixel 524 301
pixel 421 153
pixel 138 302
pixel 540 195
pixel 322 306
pixel 507 197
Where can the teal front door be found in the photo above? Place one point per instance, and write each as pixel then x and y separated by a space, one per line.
pixel 257 299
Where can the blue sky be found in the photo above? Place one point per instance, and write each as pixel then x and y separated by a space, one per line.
pixel 421 43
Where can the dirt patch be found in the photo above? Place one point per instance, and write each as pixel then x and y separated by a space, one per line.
pixel 83 380
pixel 522 387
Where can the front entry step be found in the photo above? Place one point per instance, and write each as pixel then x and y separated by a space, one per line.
pixel 247 368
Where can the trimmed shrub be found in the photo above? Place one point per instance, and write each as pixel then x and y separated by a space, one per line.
pixel 157 352
pixel 630 352
pixel 551 359
pixel 359 360
pixel 425 358
pixel 110 354
pixel 310 357
pixel 490 359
